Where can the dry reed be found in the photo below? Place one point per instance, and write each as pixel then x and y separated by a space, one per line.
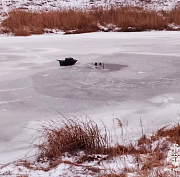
pixel 71 135
pixel 23 23
pixel 172 133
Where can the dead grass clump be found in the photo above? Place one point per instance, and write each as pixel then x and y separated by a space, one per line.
pixel 151 163
pixel 71 135
pixel 173 16
pixel 172 134
pixel 144 140
pixel 132 19
pixel 144 145
pixel 155 160
pixel 119 150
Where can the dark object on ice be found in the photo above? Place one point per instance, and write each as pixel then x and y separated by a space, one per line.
pixel 109 66
pixel 68 61
pixel 99 65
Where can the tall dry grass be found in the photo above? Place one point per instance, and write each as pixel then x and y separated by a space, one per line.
pixel 29 23
pixel 71 135
pixel 126 19
pixel 174 16
pixel 172 133
pixel 136 18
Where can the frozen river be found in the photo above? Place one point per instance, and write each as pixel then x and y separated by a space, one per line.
pixel 34 87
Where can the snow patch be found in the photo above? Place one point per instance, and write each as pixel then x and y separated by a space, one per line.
pixel 161 99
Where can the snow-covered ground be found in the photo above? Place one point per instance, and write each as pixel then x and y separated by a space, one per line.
pixel 34 88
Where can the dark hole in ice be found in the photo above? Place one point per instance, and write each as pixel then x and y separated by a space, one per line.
pixel 109 66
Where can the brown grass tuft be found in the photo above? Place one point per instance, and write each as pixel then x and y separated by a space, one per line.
pixel 172 134
pixel 71 135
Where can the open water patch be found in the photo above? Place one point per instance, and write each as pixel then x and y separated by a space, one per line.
pixel 107 66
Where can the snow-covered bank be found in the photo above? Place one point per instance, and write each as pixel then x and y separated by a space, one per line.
pixel 33 85
pixel 39 5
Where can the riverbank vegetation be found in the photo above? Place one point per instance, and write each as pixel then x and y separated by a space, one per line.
pixel 125 19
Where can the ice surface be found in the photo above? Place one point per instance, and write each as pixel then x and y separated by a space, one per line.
pixel 33 85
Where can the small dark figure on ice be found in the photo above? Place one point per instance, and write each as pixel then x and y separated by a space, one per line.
pixel 99 64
